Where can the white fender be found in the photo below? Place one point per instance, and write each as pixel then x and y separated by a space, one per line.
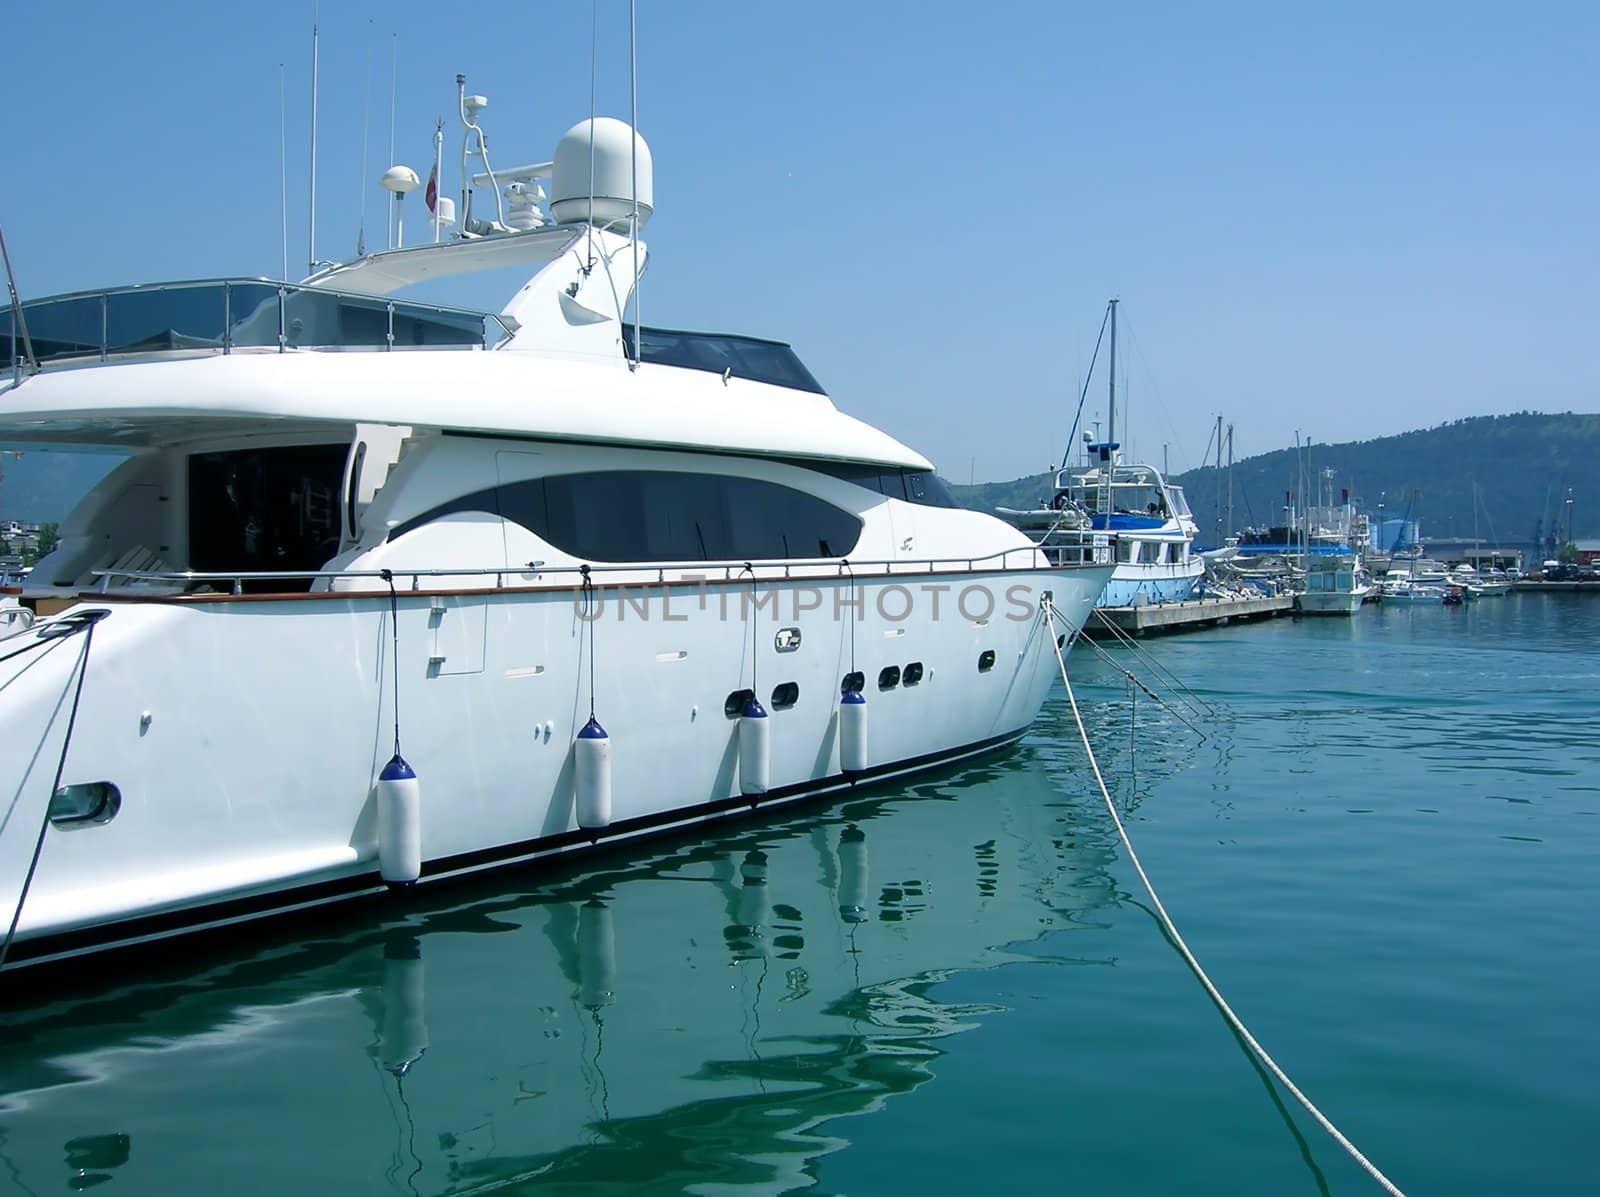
pixel 755 748
pixel 592 772
pixel 853 732
pixel 399 797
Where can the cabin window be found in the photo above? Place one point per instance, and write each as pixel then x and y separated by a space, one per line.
pixel 663 515
pixel 1150 552
pixel 1127 551
pixel 986 660
pixel 730 355
pixel 265 511
pixel 912 674
pixel 889 677
pixel 733 706
pixel 922 487
pixel 852 683
pixel 785 695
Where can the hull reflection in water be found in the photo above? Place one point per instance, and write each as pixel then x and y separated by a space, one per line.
pixel 692 1016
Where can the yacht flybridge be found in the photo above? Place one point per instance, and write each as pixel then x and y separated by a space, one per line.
pixel 386 591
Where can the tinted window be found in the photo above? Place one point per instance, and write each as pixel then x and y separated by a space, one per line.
pixel 739 357
pixel 263 510
pixel 913 486
pixel 927 488
pixel 659 515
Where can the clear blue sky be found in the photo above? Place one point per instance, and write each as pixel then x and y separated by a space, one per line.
pixel 1346 220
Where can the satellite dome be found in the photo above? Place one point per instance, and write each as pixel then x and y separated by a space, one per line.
pixel 612 160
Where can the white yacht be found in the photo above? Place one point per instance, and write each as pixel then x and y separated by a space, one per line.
pixel 1132 510
pixel 387 591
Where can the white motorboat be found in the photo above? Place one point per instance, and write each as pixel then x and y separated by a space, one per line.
pixel 1135 512
pixel 388 591
pixel 1480 585
pixel 1334 586
pixel 1405 590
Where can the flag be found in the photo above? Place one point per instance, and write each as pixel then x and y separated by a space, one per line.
pixel 431 195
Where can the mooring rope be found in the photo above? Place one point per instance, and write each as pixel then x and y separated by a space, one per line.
pixel 1150 661
pixel 84 622
pixel 1200 974
pixel 1149 693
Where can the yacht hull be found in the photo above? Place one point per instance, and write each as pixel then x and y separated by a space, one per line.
pixel 247 787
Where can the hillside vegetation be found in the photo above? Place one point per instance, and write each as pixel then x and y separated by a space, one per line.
pixel 1522 465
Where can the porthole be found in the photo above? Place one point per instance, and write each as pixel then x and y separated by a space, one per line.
pixel 1061 641
pixel 912 674
pixel 889 677
pixel 785 695
pixel 736 703
pixel 852 683
pixel 986 660
pixel 85 804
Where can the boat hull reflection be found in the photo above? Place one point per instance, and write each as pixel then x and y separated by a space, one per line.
pixel 692 1016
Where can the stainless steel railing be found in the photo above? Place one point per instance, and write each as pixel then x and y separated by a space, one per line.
pixel 1016 557
pixel 223 315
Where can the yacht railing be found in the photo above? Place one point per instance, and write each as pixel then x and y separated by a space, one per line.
pixel 692 571
pixel 224 315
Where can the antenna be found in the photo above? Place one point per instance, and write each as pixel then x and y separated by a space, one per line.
pixel 366 124
pixel 594 52
pixel 283 175
pixel 633 153
pixel 438 201
pixel 311 239
pixel 394 76
pixel 466 182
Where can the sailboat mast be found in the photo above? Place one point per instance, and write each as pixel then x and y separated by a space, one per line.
pixel 1229 527
pixel 1111 410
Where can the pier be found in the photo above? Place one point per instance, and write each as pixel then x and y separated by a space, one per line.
pixel 1187 615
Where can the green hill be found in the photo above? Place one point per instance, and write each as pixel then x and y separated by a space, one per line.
pixel 1522 466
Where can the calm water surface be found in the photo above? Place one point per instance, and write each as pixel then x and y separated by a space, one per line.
pixel 1384 853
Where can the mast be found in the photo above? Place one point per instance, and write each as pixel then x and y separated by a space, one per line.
pixel 1219 482
pixel 1111 411
pixel 1229 527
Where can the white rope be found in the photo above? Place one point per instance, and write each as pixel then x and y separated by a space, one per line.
pixel 1166 921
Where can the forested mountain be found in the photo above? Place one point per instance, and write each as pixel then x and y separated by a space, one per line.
pixel 1523 466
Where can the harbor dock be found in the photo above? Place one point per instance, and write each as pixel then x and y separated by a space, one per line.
pixel 1186 615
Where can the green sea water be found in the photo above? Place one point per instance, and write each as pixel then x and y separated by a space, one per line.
pixel 1384 851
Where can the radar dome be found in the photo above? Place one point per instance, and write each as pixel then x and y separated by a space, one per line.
pixel 613 174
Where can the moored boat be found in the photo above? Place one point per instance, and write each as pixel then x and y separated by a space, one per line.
pixel 1333 586
pixel 389 592
pixel 1143 520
